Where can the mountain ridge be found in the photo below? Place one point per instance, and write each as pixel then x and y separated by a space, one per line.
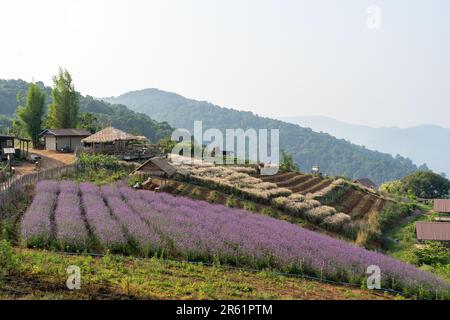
pixel 335 156
pixel 422 143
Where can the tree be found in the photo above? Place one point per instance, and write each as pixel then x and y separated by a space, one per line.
pixel 426 184
pixel 89 122
pixel 287 162
pixel 32 113
pixel 63 112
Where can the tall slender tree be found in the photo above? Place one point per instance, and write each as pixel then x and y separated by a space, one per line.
pixel 31 115
pixel 63 112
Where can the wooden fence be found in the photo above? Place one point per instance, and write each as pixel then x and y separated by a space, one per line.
pixel 12 187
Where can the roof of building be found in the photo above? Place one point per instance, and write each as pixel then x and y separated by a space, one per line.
pixel 111 134
pixel 162 164
pixel 66 132
pixel 6 137
pixel 442 205
pixel 433 231
pixel 366 182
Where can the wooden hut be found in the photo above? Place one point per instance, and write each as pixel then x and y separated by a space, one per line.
pixel 433 231
pixel 158 168
pixel 117 142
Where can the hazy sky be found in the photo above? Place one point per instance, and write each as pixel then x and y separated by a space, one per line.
pixel 275 58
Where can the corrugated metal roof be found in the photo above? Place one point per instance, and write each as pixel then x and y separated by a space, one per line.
pixel 442 205
pixel 437 231
pixel 67 132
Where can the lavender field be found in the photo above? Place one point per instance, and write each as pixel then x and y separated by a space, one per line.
pixel 74 217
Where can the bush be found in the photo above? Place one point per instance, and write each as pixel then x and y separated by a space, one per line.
pixel 213 197
pixel 98 161
pixel 231 202
pixel 432 254
pixel 249 206
pixel 394 213
pixel 8 259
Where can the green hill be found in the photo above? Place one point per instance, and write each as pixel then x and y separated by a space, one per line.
pixel 335 156
pixel 118 115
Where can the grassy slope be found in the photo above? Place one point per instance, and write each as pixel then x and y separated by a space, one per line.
pixel 403 249
pixel 41 275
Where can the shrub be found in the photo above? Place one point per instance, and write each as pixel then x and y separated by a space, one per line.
pixel 213 197
pixel 433 253
pixel 8 259
pixel 249 206
pixel 231 202
pixel 97 161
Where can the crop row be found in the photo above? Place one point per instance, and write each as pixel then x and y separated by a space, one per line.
pixel 179 227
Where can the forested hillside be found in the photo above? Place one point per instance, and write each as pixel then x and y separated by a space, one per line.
pixel 118 115
pixel 335 157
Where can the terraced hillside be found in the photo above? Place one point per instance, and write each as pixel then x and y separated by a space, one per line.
pixel 352 200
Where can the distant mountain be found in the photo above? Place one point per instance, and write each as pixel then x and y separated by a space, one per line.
pixel 335 157
pixel 118 115
pixel 428 144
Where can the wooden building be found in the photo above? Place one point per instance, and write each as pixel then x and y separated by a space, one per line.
pixel 158 170
pixel 433 231
pixel 442 207
pixel 5 142
pixel 126 146
pixel 67 139
pixel 8 142
pixel 156 167
pixel 366 182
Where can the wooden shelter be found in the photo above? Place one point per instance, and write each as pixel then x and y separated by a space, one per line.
pixel 59 139
pixel 366 182
pixel 157 167
pixel 8 142
pixel 117 142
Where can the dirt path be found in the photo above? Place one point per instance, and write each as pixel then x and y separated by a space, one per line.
pixel 49 159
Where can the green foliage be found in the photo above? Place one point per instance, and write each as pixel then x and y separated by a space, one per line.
pixel 269 212
pixel 394 213
pixel 393 187
pixel 426 184
pixel 433 254
pixel 287 162
pixel 249 206
pixel 124 119
pixel 31 115
pixel 63 111
pixel 167 144
pixel 89 121
pixel 8 259
pixel 213 197
pixel 5 124
pixel 231 202
pixel 421 184
pixel 98 161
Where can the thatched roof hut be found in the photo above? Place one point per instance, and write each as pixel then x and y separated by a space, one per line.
pixel 110 135
pixel 117 142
